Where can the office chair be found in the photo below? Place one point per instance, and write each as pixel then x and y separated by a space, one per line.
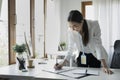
pixel 115 63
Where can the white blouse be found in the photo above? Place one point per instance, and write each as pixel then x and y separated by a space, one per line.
pixel 94 45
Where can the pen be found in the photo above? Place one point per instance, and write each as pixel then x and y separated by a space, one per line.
pixel 56 60
pixel 86 71
pixel 80 73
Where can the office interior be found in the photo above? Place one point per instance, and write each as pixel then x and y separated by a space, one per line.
pixel 44 22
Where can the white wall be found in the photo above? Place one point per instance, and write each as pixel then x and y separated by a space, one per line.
pixel 66 7
pixel 53 26
pixel 39 28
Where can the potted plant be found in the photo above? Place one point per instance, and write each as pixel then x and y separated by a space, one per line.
pixel 63 45
pixel 20 49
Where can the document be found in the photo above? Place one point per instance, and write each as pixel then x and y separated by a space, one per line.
pixel 52 70
pixel 73 72
pixel 85 71
pixel 93 72
pixel 80 73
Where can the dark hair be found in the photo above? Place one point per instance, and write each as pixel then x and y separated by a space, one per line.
pixel 76 16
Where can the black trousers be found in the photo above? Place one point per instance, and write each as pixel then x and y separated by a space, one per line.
pixel 91 61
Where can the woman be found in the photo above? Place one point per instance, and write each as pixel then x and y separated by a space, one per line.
pixel 85 35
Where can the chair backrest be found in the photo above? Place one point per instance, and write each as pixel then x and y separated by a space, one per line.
pixel 116 55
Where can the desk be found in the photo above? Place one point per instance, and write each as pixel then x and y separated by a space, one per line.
pixel 12 73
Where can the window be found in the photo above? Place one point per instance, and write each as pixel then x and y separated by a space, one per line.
pixel 46 28
pixel 17 21
pixel 31 21
pixel 4 33
pixel 39 28
pixel 52 27
pixel 23 22
pixel 88 10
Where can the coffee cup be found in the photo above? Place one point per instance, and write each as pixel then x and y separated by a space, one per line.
pixel 30 63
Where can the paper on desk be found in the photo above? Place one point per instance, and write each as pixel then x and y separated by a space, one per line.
pixel 93 72
pixel 52 70
pixel 83 71
pixel 73 74
pixel 79 73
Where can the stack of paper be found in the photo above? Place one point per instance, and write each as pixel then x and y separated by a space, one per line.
pixel 73 72
pixel 52 70
pixel 85 71
pixel 79 73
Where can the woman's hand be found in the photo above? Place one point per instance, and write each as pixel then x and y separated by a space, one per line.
pixel 106 70
pixel 57 66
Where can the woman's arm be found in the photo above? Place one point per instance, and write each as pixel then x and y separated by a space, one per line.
pixel 70 50
pixel 103 63
pixel 101 52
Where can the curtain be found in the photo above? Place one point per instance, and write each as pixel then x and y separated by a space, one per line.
pixel 107 12
pixel 0 6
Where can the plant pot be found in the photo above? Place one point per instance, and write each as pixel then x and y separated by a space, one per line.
pixel 21 62
pixel 30 63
